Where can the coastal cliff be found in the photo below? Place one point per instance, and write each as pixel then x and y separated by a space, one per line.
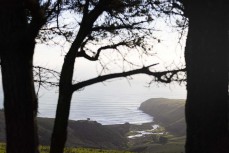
pixel 169 113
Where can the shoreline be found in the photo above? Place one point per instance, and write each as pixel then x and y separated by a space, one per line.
pixel 81 133
pixel 168 113
pixel 91 134
pixel 148 107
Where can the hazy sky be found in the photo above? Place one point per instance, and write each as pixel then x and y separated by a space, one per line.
pixel 168 53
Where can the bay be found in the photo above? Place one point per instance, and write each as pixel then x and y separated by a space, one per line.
pixel 115 102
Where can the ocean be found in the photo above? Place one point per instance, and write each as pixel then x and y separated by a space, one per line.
pixel 114 102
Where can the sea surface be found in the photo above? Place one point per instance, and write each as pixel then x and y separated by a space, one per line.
pixel 111 103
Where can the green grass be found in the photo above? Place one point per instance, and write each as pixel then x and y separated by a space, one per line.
pixel 167 148
pixel 2 148
pixel 45 149
pixel 174 145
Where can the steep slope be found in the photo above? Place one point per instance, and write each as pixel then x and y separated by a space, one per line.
pixel 167 112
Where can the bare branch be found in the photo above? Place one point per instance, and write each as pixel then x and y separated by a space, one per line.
pixel 45 77
pixel 82 53
pixel 164 76
pixel 54 10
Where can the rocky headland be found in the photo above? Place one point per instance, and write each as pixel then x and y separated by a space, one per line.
pixel 169 113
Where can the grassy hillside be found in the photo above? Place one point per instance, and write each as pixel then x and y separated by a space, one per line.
pixel 84 134
pixel 168 112
pixel 45 149
pixel 80 133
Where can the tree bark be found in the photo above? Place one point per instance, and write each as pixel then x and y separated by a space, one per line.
pixel 20 102
pixel 206 55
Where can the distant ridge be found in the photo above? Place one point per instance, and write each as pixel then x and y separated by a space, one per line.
pixel 80 133
pixel 167 112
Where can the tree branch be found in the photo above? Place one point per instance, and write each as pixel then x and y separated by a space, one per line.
pixel 164 76
pixel 45 77
pixel 55 9
pixel 82 53
pixel 85 9
pixel 118 27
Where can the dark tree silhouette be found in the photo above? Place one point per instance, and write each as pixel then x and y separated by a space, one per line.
pixel 206 57
pixel 21 21
pixel 123 26
pixel 17 41
pixel 121 23
pixel 206 60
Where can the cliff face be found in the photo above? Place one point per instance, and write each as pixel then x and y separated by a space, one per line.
pixel 167 112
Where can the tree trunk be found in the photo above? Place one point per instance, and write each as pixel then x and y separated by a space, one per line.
pixel 206 55
pixel 20 102
pixel 59 135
